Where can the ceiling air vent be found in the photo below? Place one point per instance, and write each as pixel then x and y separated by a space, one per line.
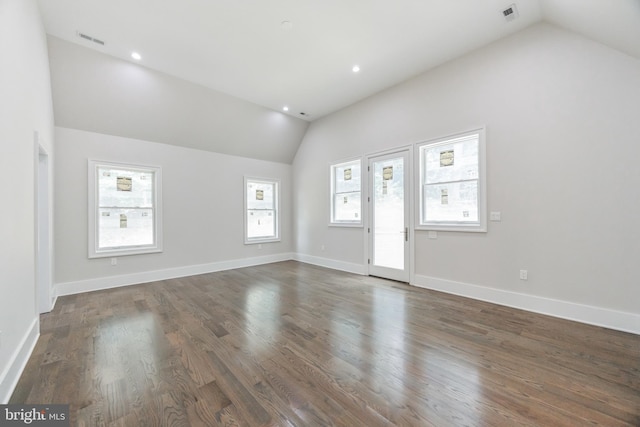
pixel 510 13
pixel 88 37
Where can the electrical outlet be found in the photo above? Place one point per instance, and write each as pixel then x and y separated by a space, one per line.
pixel 322 247
pixel 495 216
pixel 524 274
pixel 114 261
pixel 0 339
pixel 260 246
pixel 433 234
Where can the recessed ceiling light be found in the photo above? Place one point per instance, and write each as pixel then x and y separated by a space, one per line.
pixel 136 56
pixel 285 108
pixel 286 25
pixel 355 68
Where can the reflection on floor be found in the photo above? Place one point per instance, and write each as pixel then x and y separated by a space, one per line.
pixel 297 345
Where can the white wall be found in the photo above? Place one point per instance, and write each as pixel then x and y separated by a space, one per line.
pixel 561 114
pixel 25 108
pixel 202 211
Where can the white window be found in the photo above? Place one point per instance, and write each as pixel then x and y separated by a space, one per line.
pixel 346 189
pixel 261 213
pixel 452 183
pixel 125 215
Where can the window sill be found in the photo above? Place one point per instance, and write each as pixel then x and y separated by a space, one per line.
pixel 458 228
pixel 259 241
pixel 346 224
pixel 124 252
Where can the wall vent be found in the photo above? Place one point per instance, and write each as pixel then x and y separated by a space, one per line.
pixel 510 13
pixel 88 37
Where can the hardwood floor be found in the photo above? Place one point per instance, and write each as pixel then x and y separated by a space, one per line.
pixel 290 344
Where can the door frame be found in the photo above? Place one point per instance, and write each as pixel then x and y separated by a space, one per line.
pixel 367 217
pixel 43 228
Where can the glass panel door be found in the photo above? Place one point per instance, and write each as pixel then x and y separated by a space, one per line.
pixel 389 233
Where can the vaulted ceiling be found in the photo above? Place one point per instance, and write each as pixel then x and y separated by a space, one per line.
pixel 301 53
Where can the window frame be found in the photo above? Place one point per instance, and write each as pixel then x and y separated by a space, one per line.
pixel 477 226
pixel 94 209
pixel 332 193
pixel 276 209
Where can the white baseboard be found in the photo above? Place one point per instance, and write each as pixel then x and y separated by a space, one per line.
pixel 9 378
pixel 70 288
pixel 54 299
pixel 349 267
pixel 612 319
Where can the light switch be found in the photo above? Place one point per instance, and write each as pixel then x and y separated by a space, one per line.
pixel 433 234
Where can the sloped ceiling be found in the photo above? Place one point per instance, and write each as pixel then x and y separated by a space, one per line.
pixel 99 93
pixel 615 23
pixel 218 73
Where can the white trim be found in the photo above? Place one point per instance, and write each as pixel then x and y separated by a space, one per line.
pixel 612 319
pixel 481 225
pixel 276 208
pixel 43 236
pixel 93 210
pixel 9 378
pixel 333 264
pixel 393 274
pixel 344 223
pixel 70 288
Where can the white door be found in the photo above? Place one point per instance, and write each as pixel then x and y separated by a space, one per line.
pixel 389 216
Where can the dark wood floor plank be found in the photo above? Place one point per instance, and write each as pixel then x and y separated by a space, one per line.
pixel 281 413
pixel 92 415
pixel 298 393
pixel 239 392
pixel 195 362
pixel 291 344
pixel 230 416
